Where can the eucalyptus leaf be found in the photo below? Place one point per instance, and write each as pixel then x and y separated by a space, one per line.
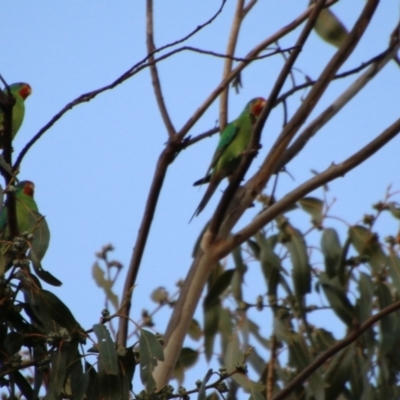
pixel 338 299
pixel 106 284
pixel 218 288
pixel 314 207
pixel 151 352
pixel 301 272
pixel 108 361
pixel 332 250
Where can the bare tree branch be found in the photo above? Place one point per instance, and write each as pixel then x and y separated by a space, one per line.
pixel 227 56
pixel 189 141
pixel 164 160
pixel 153 70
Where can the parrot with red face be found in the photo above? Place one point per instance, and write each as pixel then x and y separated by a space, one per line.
pixel 28 217
pixel 20 91
pixel 25 204
pixel 233 142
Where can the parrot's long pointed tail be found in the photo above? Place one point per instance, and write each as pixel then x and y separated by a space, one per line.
pixel 207 195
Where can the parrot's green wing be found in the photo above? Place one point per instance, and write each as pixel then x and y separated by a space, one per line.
pixel 25 206
pixel 225 140
pixel 29 219
pixel 32 222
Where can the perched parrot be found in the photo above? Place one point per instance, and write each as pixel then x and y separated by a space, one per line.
pixel 20 91
pixel 31 221
pixel 25 204
pixel 233 142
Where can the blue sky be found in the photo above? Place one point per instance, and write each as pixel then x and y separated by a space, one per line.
pixel 93 168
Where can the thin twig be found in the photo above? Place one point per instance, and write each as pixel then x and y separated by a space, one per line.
pixel 86 97
pixel 230 50
pixel 233 58
pixel 153 70
pixel 201 136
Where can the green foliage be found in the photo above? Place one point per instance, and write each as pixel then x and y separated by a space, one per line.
pixel 150 353
pixel 351 277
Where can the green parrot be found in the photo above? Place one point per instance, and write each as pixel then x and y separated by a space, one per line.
pixel 233 142
pixel 24 203
pixel 29 219
pixel 20 91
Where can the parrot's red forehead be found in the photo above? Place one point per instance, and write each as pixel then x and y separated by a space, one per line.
pixel 29 188
pixel 25 90
pixel 257 106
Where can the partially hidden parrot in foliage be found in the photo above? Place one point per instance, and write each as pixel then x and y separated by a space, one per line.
pixel 232 144
pixel 31 221
pixel 25 204
pixel 20 91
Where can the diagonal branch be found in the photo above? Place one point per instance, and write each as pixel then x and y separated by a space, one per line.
pixel 166 157
pixel 153 70
pixel 189 141
pixel 350 338
pixel 333 172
